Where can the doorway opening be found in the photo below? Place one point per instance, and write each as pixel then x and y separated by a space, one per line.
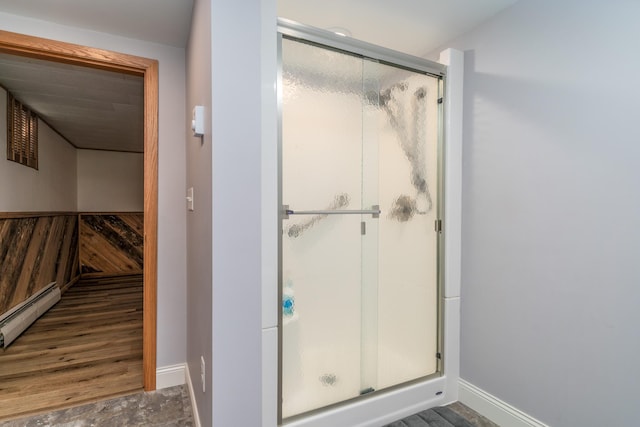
pixel 55 51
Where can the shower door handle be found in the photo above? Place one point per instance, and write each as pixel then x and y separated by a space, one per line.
pixel 374 212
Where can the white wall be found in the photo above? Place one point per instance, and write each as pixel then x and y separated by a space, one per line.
pixel 110 181
pixel 50 188
pixel 171 153
pixel 551 210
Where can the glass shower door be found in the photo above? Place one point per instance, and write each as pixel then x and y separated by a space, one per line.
pixel 321 243
pixel 404 125
pixel 358 247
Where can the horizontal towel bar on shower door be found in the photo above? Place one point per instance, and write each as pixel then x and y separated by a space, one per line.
pixel 374 212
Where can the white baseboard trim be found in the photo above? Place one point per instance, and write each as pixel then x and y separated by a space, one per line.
pixel 170 376
pixel 192 396
pixel 493 408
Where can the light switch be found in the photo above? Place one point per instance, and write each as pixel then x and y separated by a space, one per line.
pixel 197 124
pixel 190 199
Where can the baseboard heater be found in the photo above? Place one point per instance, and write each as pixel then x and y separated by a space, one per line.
pixel 20 317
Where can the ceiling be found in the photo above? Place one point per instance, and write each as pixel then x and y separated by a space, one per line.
pixel 91 108
pixel 103 110
pixel 160 21
pixel 416 27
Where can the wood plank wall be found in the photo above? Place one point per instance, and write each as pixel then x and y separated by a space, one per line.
pixel 36 249
pixel 111 244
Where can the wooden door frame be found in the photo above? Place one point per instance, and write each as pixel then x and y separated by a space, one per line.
pixel 51 50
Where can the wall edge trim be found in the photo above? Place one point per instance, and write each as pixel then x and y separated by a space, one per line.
pixel 192 397
pixel 170 376
pixel 494 408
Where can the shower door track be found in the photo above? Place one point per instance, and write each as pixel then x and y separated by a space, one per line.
pixel 351 46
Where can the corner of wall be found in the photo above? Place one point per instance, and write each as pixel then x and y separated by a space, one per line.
pixel 452 228
pixel 192 397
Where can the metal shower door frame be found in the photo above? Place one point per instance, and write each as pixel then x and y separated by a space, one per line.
pixel 326 39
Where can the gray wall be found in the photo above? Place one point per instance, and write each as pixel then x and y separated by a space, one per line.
pixel 223 233
pixel 551 210
pixel 236 124
pixel 199 239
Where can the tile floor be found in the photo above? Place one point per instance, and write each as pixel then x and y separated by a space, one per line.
pixel 162 408
pixel 472 416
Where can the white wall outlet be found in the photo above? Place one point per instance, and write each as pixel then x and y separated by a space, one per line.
pixel 190 198
pixel 202 374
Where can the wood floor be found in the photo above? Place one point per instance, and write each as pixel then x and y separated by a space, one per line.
pixel 86 348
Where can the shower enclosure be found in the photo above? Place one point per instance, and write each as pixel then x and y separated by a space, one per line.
pixel 360 224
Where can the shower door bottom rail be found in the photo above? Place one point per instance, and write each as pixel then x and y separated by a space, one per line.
pixel 374 212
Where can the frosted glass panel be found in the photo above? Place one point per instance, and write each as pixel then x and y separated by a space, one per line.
pixel 321 128
pixel 359 291
pixel 321 254
pixel 406 124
